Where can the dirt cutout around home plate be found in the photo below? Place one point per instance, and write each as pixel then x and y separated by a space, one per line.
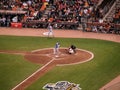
pixel 43 56
pixel 49 60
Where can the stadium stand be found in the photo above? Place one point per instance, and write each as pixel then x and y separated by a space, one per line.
pixel 62 14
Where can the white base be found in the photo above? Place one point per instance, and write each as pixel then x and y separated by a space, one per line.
pixel 46 33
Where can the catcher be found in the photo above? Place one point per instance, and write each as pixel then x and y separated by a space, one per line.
pixel 72 49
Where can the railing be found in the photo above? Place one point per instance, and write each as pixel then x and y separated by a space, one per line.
pixel 44 24
pixel 12 12
pixel 106 5
pixel 103 27
pixel 101 24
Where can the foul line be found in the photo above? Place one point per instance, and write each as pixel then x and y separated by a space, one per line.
pixel 33 74
pixel 41 49
pixel 92 56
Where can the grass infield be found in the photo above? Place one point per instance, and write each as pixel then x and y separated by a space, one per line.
pixel 91 75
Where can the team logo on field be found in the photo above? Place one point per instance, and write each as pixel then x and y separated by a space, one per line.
pixel 62 85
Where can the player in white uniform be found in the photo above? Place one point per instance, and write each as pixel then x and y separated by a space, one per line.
pixel 50 28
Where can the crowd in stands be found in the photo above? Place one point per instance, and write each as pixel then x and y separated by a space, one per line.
pixel 33 10
pixel 116 16
pixel 62 13
pixel 62 10
pixel 104 26
pixel 31 6
pixel 69 12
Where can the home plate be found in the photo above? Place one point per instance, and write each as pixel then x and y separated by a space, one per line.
pixel 46 33
pixel 56 56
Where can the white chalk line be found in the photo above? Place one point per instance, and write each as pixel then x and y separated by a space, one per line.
pixel 92 56
pixel 41 49
pixel 12 53
pixel 33 74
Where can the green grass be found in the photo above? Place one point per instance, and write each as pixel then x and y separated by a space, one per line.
pixel 13 70
pixel 90 75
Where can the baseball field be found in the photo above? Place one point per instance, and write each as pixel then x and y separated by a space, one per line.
pixel 91 75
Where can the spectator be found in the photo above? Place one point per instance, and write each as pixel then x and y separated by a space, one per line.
pixel 15 19
pixel 8 21
pixel 94 29
pixel 107 28
pixel 4 21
